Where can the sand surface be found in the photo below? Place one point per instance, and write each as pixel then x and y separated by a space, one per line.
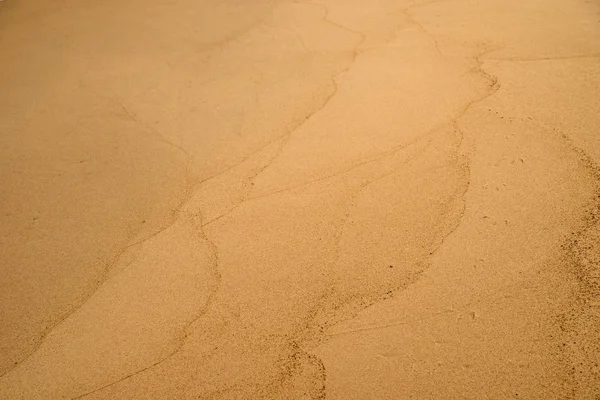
pixel 339 199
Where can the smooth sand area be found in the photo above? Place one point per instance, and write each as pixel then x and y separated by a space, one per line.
pixel 338 199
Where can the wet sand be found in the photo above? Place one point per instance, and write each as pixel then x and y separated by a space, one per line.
pixel 300 200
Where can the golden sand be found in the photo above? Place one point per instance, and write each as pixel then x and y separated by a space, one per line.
pixel 300 200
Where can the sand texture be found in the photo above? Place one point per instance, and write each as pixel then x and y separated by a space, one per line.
pixel 329 199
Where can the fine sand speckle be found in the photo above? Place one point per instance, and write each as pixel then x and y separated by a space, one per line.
pixel 300 200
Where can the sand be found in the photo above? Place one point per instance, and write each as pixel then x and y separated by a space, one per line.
pixel 300 200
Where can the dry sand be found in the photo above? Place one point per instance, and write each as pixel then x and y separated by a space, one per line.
pixel 334 199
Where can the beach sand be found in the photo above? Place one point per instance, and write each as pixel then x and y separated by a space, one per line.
pixel 300 200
